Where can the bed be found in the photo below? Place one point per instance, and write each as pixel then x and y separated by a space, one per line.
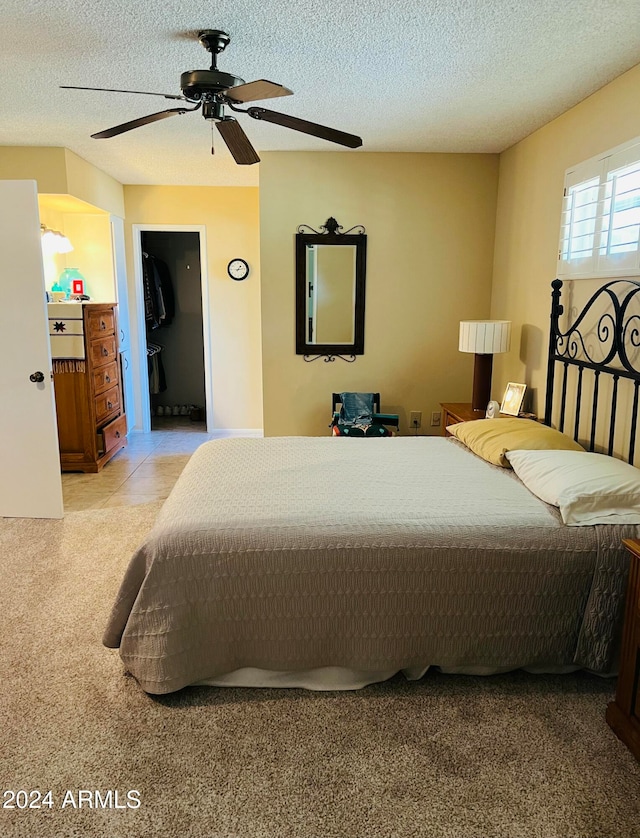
pixel 330 564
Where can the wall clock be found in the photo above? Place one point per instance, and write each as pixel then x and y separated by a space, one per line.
pixel 238 269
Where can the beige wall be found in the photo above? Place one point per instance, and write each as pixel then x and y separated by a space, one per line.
pixel 92 253
pixel 430 225
pixel 93 185
pixel 75 198
pixel 45 165
pixel 89 231
pixel 232 230
pixel 528 221
pixel 60 171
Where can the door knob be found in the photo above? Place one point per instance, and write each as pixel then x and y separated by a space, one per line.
pixel 36 377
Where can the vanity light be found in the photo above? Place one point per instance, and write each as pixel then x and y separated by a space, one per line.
pixel 64 245
pixel 484 338
pixel 54 242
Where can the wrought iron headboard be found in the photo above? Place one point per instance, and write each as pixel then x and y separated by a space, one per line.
pixel 615 334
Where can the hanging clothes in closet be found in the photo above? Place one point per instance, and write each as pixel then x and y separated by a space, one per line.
pixel 159 300
pixel 159 310
pixel 157 380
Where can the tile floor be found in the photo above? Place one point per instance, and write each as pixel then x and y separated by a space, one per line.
pixel 144 471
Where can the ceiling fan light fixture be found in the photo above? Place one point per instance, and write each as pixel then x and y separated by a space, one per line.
pixel 212 89
pixel 213 110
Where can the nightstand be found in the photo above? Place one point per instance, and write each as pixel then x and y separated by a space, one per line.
pixel 623 714
pixel 454 412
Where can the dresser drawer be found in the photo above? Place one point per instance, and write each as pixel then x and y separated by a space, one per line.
pixel 102 350
pixel 100 323
pixel 106 403
pixel 105 377
pixel 113 435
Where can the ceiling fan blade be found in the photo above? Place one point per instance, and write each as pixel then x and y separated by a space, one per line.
pixel 322 131
pixel 237 142
pixel 252 91
pixel 138 123
pixel 112 90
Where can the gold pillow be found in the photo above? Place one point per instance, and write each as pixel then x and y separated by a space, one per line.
pixel 492 438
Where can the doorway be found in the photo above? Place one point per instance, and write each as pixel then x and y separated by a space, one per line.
pixel 171 289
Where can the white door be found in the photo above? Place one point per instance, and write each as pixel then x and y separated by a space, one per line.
pixel 30 484
pixel 124 341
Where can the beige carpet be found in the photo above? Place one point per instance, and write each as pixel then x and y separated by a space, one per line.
pixel 518 756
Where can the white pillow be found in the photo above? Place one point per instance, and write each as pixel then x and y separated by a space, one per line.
pixel 587 488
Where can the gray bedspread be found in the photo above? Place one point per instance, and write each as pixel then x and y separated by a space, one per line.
pixel 291 553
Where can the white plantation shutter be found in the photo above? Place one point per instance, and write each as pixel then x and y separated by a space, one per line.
pixel 620 235
pixel 579 219
pixel 600 224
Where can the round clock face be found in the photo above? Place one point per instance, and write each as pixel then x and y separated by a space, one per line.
pixel 238 269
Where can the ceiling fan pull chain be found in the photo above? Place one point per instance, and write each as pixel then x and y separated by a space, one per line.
pixel 212 149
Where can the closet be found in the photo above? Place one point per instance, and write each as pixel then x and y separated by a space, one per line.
pixel 173 322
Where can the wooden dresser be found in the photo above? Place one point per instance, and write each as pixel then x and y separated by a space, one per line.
pixel 623 714
pixel 92 426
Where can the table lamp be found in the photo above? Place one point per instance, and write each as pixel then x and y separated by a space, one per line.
pixel 484 338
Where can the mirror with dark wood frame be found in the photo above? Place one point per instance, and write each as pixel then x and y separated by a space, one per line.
pixel 330 291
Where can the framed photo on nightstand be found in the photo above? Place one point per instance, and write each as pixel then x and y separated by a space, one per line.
pixel 513 398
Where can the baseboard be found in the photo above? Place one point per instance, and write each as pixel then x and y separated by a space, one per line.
pixel 222 433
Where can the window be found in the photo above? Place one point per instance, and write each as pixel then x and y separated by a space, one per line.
pixel 600 226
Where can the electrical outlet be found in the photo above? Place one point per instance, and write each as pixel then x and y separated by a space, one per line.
pixel 415 418
pixel 436 419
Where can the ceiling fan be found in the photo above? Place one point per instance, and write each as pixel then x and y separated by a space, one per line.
pixel 212 91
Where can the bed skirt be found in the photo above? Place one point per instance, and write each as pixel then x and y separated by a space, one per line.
pixel 329 678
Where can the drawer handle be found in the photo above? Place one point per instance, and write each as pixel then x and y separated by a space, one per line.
pixel 105 351
pixel 103 325
pixel 109 405
pixel 107 378
pixel 117 434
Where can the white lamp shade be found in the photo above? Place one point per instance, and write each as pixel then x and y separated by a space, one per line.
pixel 49 243
pixel 485 337
pixel 54 242
pixel 64 245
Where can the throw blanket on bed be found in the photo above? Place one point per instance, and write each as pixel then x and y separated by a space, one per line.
pixel 265 556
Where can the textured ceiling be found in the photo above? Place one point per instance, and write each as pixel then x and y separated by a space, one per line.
pixel 406 75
